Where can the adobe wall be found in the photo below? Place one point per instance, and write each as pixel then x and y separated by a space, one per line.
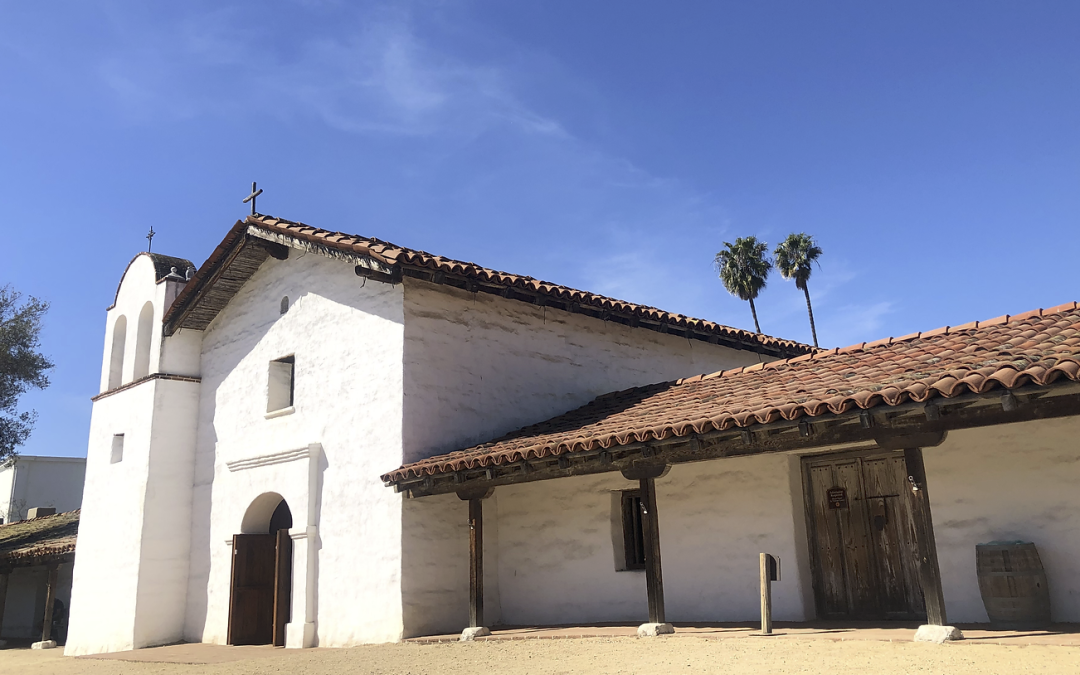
pixel 1007 483
pixel 478 366
pixel 346 335
pixel 557 545
pixel 108 554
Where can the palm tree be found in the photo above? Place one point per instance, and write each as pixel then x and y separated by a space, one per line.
pixel 794 258
pixel 744 270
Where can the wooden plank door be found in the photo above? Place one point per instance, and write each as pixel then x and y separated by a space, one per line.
pixel 830 586
pixel 862 551
pixel 282 585
pixel 251 598
pixel 886 493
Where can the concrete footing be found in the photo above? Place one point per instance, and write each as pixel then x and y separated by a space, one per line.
pixel 654 629
pixel 938 634
pixel 47 644
pixel 470 634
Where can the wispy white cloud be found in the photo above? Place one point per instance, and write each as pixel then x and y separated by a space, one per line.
pixel 373 76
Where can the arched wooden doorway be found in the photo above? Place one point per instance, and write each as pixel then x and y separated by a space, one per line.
pixel 261 574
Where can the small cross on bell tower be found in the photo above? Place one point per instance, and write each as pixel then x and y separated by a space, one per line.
pixel 150 239
pixel 251 197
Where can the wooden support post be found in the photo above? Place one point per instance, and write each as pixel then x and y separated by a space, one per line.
pixel 4 574
pixel 654 578
pixel 922 526
pixel 766 595
pixel 476 563
pixel 50 600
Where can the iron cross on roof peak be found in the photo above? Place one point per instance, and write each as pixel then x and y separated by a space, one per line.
pixel 150 239
pixel 251 197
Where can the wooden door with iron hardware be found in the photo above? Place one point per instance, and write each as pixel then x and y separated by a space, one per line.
pixel 862 547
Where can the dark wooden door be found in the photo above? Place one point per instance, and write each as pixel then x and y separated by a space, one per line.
pixel 261 588
pixel 251 601
pixel 861 543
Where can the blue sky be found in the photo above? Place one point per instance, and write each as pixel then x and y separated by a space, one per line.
pixel 932 148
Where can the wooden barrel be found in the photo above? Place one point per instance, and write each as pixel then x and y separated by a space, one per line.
pixel 1013 585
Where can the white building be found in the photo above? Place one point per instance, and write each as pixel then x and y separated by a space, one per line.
pixel 271 389
pixel 30 481
pixel 240 484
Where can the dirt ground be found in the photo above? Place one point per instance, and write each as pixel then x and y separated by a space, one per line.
pixel 652 656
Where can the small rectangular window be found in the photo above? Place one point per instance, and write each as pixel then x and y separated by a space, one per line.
pixel 117 449
pixel 633 534
pixel 280 390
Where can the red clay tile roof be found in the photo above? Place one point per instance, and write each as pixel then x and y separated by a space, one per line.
pixel 1037 347
pixel 392 255
pixel 43 537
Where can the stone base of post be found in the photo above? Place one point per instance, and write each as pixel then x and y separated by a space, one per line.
pixel 938 634
pixel 654 629
pixel 470 634
pixel 45 644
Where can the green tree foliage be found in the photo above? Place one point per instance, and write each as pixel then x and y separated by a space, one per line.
pixel 22 366
pixel 795 258
pixel 744 269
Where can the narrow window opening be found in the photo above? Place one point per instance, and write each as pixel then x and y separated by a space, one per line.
pixel 142 341
pixel 285 304
pixel 116 356
pixel 633 532
pixel 281 385
pixel 117 449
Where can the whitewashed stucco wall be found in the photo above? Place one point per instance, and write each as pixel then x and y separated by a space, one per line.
pixel 435 565
pixel 478 366
pixel 557 557
pixel 108 553
pixel 346 336
pixel 1007 483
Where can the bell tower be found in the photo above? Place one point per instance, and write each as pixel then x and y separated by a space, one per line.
pixel 131 564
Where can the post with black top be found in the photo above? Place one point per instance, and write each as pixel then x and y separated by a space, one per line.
pixel 926 559
pixel 654 576
pixel 769 567
pixel 476 563
pixel 646 475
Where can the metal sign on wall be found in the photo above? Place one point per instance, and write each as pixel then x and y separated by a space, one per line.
pixel 837 498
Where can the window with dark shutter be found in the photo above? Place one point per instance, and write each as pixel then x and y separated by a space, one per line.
pixel 633 534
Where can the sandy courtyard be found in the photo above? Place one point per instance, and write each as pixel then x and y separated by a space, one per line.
pixel 664 656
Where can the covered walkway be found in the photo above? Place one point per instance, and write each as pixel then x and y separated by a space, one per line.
pixel 1066 635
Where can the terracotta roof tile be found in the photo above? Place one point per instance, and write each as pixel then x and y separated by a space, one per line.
pixel 391 254
pixel 1038 347
pixel 39 537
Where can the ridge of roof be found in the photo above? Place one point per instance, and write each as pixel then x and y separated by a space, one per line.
pixel 416 260
pixel 1002 320
pixel 392 254
pixel 1037 347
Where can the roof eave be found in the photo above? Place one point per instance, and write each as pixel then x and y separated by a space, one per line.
pixel 871 427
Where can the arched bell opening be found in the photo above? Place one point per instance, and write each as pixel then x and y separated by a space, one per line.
pixel 259 595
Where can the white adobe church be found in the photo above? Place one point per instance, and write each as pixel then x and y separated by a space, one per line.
pixel 241 484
